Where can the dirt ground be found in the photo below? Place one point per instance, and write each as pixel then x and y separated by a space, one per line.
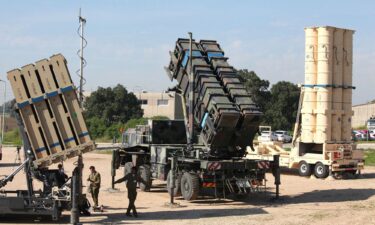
pixel 303 201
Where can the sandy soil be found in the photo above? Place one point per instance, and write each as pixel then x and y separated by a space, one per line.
pixel 303 201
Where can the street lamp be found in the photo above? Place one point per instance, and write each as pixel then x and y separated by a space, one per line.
pixel 3 116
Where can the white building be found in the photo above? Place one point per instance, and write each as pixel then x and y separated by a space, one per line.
pixel 167 104
pixel 362 113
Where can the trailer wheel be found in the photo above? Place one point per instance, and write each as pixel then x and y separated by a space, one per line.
pixel 321 170
pixel 304 169
pixel 145 174
pixel 177 185
pixel 128 168
pixel 190 186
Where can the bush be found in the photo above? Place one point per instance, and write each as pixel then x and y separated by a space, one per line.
pixel 113 131
pixel 96 127
pixel 132 123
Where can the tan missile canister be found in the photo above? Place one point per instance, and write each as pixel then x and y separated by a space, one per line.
pixel 308 115
pixel 327 101
pixel 324 81
pixel 325 49
pixel 311 54
pixel 347 85
pixel 42 108
pixel 52 120
pixel 338 43
pixel 323 115
pixel 309 98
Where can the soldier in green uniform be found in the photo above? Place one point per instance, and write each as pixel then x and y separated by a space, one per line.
pixel 94 186
pixel 131 180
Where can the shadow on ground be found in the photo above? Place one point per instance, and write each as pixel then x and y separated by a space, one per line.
pixel 190 214
pixel 21 219
pixel 334 195
pixel 367 176
pixel 110 218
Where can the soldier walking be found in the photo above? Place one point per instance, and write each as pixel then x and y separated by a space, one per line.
pixel 94 186
pixel 131 180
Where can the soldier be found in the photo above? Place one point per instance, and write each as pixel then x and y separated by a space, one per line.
pixel 61 176
pixel 94 186
pixel 131 184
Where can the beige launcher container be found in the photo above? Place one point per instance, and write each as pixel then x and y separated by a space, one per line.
pixel 324 79
pixel 328 82
pixel 308 126
pixel 52 118
pixel 337 112
pixel 347 84
pixel 323 115
pixel 311 55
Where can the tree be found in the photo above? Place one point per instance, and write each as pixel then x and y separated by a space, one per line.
pixel 257 87
pixel 279 105
pixel 9 107
pixel 113 105
pixel 282 109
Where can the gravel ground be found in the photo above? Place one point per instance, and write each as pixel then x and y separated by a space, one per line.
pixel 303 201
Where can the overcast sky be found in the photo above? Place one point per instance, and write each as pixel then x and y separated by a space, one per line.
pixel 128 41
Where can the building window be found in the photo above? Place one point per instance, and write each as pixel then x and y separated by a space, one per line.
pixel 143 101
pixel 162 101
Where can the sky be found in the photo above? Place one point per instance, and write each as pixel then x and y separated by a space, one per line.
pixel 128 41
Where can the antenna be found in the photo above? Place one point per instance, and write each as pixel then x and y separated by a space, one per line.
pixel 82 81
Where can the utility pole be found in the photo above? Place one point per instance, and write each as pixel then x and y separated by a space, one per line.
pixel 3 116
pixel 82 23
pixel 77 173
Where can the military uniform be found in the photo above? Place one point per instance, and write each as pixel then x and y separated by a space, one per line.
pixel 131 184
pixel 94 187
pixel 61 178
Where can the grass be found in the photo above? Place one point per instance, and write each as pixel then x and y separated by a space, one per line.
pixel 370 157
pixel 12 137
pixel 103 140
pixel 362 142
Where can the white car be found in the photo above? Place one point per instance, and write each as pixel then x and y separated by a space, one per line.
pixel 267 136
pixel 283 136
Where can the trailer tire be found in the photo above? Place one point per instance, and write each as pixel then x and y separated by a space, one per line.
pixel 189 186
pixel 128 168
pixel 177 184
pixel 304 169
pixel 145 174
pixel 321 170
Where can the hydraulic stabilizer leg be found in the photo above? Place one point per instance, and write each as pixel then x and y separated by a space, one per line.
pixel 276 174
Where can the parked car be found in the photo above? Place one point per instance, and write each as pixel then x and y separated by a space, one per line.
pixel 371 135
pixel 283 136
pixel 358 135
pixel 267 136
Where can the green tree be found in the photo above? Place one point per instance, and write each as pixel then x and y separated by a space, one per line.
pixel 113 105
pixel 282 109
pixel 257 87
